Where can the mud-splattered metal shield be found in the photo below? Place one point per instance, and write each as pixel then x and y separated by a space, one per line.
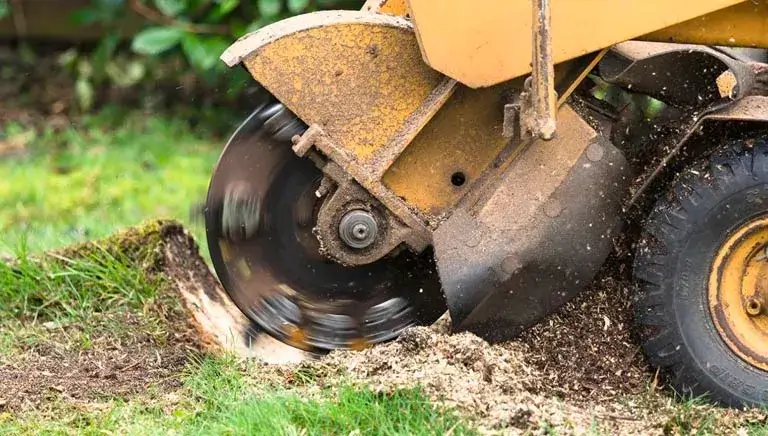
pixel 260 214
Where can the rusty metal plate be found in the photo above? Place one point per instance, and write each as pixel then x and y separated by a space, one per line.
pixel 358 75
pixel 451 151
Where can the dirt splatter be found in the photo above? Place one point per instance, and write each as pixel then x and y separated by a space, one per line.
pixel 46 375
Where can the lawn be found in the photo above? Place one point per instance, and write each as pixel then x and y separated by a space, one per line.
pixel 220 399
pixel 63 320
pixel 102 173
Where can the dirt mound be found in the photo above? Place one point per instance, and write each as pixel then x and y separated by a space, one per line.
pixel 587 350
pixel 577 372
pixel 490 382
pixel 499 388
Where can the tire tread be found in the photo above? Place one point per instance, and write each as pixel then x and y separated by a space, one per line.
pixel 666 227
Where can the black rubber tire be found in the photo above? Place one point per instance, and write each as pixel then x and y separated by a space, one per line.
pixel 672 264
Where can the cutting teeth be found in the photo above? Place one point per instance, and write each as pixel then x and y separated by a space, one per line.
pixel 241 212
pixel 359 344
pixel 244 269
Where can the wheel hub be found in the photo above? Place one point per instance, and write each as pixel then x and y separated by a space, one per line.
pixel 358 229
pixel 738 292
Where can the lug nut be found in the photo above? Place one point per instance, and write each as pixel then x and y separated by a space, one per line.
pixel 358 229
pixel 753 307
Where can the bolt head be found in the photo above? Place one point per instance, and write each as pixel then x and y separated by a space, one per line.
pixel 358 229
pixel 753 307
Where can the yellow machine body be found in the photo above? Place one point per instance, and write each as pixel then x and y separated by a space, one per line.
pixel 483 46
pixel 456 119
pixel 372 78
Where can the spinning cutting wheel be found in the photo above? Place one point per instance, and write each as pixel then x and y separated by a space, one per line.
pixel 260 215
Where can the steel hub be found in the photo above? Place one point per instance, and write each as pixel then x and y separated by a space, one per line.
pixel 358 229
pixel 738 289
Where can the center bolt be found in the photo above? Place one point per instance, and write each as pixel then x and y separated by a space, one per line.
pixel 358 229
pixel 753 306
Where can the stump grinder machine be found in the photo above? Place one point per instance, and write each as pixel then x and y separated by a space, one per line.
pixel 418 157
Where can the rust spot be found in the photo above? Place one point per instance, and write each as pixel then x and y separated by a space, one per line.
pixel 373 50
pixel 295 334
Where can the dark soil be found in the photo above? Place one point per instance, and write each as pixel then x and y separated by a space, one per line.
pixel 128 353
pixel 49 373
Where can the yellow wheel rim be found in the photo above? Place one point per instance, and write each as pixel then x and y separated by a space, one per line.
pixel 738 292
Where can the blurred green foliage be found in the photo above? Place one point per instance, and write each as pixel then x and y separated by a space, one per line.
pixel 5 9
pixel 196 30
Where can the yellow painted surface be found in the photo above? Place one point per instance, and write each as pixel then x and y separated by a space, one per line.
pixel 742 25
pixel 361 81
pixel 739 275
pixel 394 7
pixel 464 136
pixel 391 7
pixel 482 44
pixel 358 80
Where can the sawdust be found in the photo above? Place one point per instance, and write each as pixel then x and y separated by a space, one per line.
pixel 498 388
pixel 587 351
pixel 578 372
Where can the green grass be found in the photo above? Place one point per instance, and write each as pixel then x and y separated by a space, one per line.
pixel 220 398
pixel 106 172
pixel 221 395
pixel 73 289
pixel 91 290
pixel 88 182
pixel 694 416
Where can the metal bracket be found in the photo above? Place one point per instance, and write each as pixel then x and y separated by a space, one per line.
pixel 339 167
pixel 535 113
pixel 511 126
